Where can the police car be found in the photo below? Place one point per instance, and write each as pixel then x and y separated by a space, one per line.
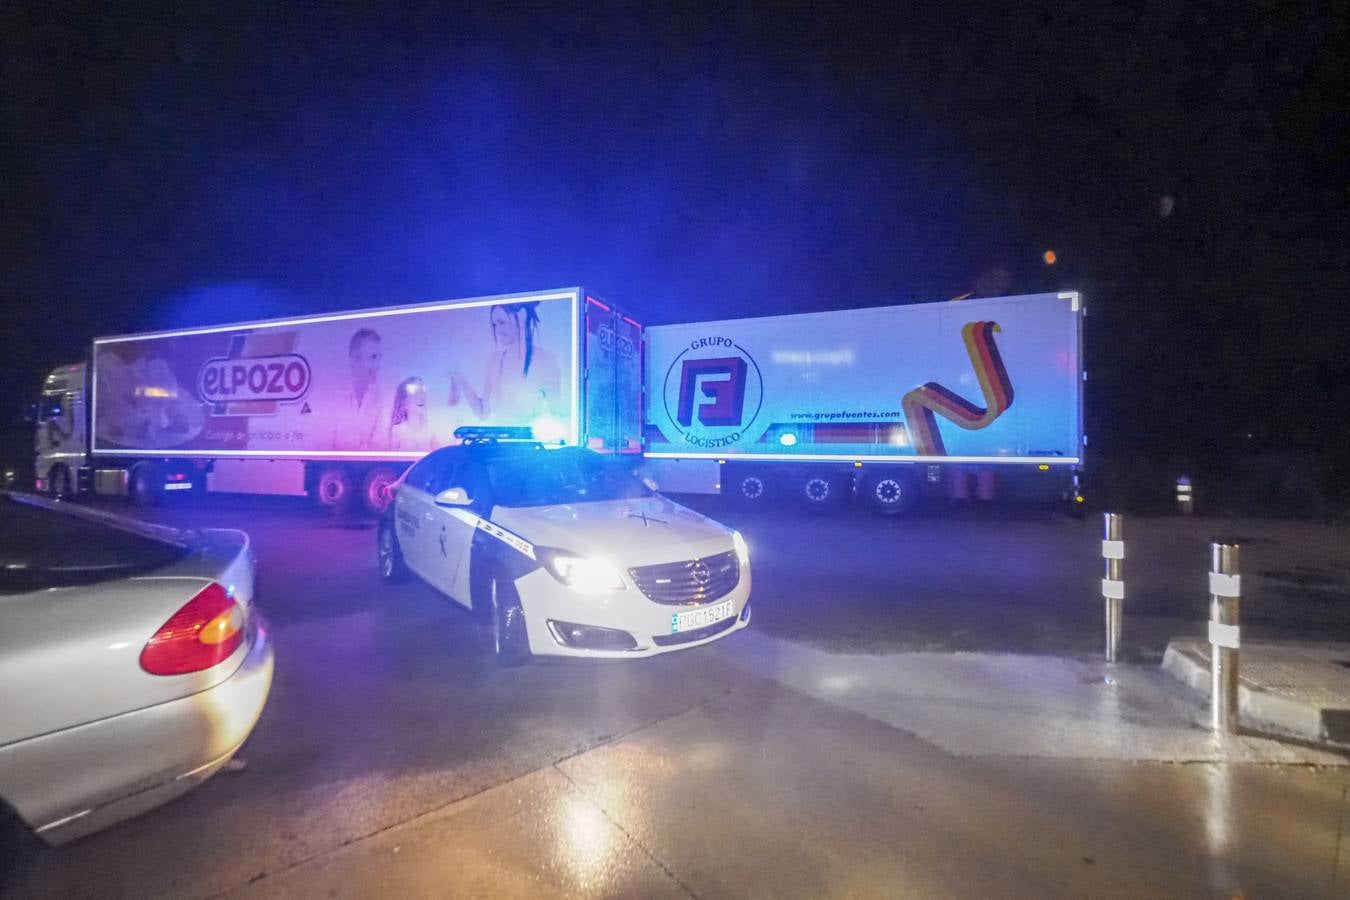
pixel 563 551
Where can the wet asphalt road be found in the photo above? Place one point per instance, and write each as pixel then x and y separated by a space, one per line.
pixel 386 704
pixel 390 727
pixel 1025 580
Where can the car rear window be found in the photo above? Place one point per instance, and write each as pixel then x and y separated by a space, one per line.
pixel 43 547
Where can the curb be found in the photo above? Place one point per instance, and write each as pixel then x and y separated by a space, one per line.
pixel 1187 660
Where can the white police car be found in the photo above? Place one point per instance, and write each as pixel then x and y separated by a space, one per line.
pixel 563 551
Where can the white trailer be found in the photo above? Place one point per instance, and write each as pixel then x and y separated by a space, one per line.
pixel 336 405
pixel 971 398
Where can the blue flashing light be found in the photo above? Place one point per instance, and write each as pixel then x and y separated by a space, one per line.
pixel 548 430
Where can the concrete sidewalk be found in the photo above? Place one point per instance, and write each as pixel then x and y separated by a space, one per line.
pixel 984 705
pixel 1299 689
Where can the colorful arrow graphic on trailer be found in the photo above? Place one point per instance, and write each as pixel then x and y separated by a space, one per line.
pixel 924 404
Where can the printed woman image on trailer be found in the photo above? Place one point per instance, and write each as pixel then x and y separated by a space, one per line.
pixel 521 380
pixel 405 382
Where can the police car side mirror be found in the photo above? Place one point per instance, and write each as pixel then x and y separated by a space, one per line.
pixel 453 497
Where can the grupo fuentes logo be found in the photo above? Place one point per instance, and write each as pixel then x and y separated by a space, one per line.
pixel 279 378
pixel 713 392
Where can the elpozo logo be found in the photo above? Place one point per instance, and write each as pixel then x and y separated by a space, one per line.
pixel 614 342
pixel 713 392
pixel 279 378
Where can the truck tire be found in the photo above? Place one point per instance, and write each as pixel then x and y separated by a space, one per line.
pixel 749 488
pixel 821 491
pixel 332 489
pixel 58 483
pixel 374 494
pixel 145 483
pixel 889 493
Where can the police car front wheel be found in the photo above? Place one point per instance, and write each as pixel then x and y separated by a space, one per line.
pixel 392 567
pixel 510 640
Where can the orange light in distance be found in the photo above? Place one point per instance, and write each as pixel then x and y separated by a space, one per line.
pixel 1049 257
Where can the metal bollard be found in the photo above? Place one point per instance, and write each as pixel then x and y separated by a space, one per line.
pixel 1185 496
pixel 1113 585
pixel 1225 587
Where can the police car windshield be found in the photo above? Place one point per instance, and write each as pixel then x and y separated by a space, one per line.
pixel 551 477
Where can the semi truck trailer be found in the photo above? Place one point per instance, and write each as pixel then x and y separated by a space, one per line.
pixel 972 398
pixel 335 405
pixel 966 399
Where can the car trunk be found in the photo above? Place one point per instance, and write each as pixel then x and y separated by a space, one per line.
pixel 80 595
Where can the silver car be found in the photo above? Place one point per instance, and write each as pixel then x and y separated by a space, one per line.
pixel 132 665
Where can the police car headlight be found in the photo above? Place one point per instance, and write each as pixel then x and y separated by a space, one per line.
pixel 742 548
pixel 581 573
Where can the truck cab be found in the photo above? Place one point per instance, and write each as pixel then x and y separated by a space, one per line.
pixel 61 442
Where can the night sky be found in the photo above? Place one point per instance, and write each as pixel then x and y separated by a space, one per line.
pixel 186 164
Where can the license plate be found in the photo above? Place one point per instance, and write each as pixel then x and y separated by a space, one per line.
pixel 701 618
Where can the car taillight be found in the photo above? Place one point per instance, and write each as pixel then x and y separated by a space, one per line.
pixel 202 634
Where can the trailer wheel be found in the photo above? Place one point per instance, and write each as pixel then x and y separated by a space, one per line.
pixel 144 484
pixel 374 489
pixel 332 488
pixel 750 489
pixel 889 493
pixel 821 491
pixel 58 483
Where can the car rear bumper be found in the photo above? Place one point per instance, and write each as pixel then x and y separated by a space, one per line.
pixel 77 781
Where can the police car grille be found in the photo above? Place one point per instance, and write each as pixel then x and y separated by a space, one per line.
pixel 691 581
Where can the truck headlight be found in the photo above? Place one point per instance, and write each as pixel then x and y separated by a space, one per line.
pixel 742 548
pixel 581 573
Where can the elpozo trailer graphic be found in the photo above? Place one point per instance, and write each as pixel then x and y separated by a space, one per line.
pixel 984 396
